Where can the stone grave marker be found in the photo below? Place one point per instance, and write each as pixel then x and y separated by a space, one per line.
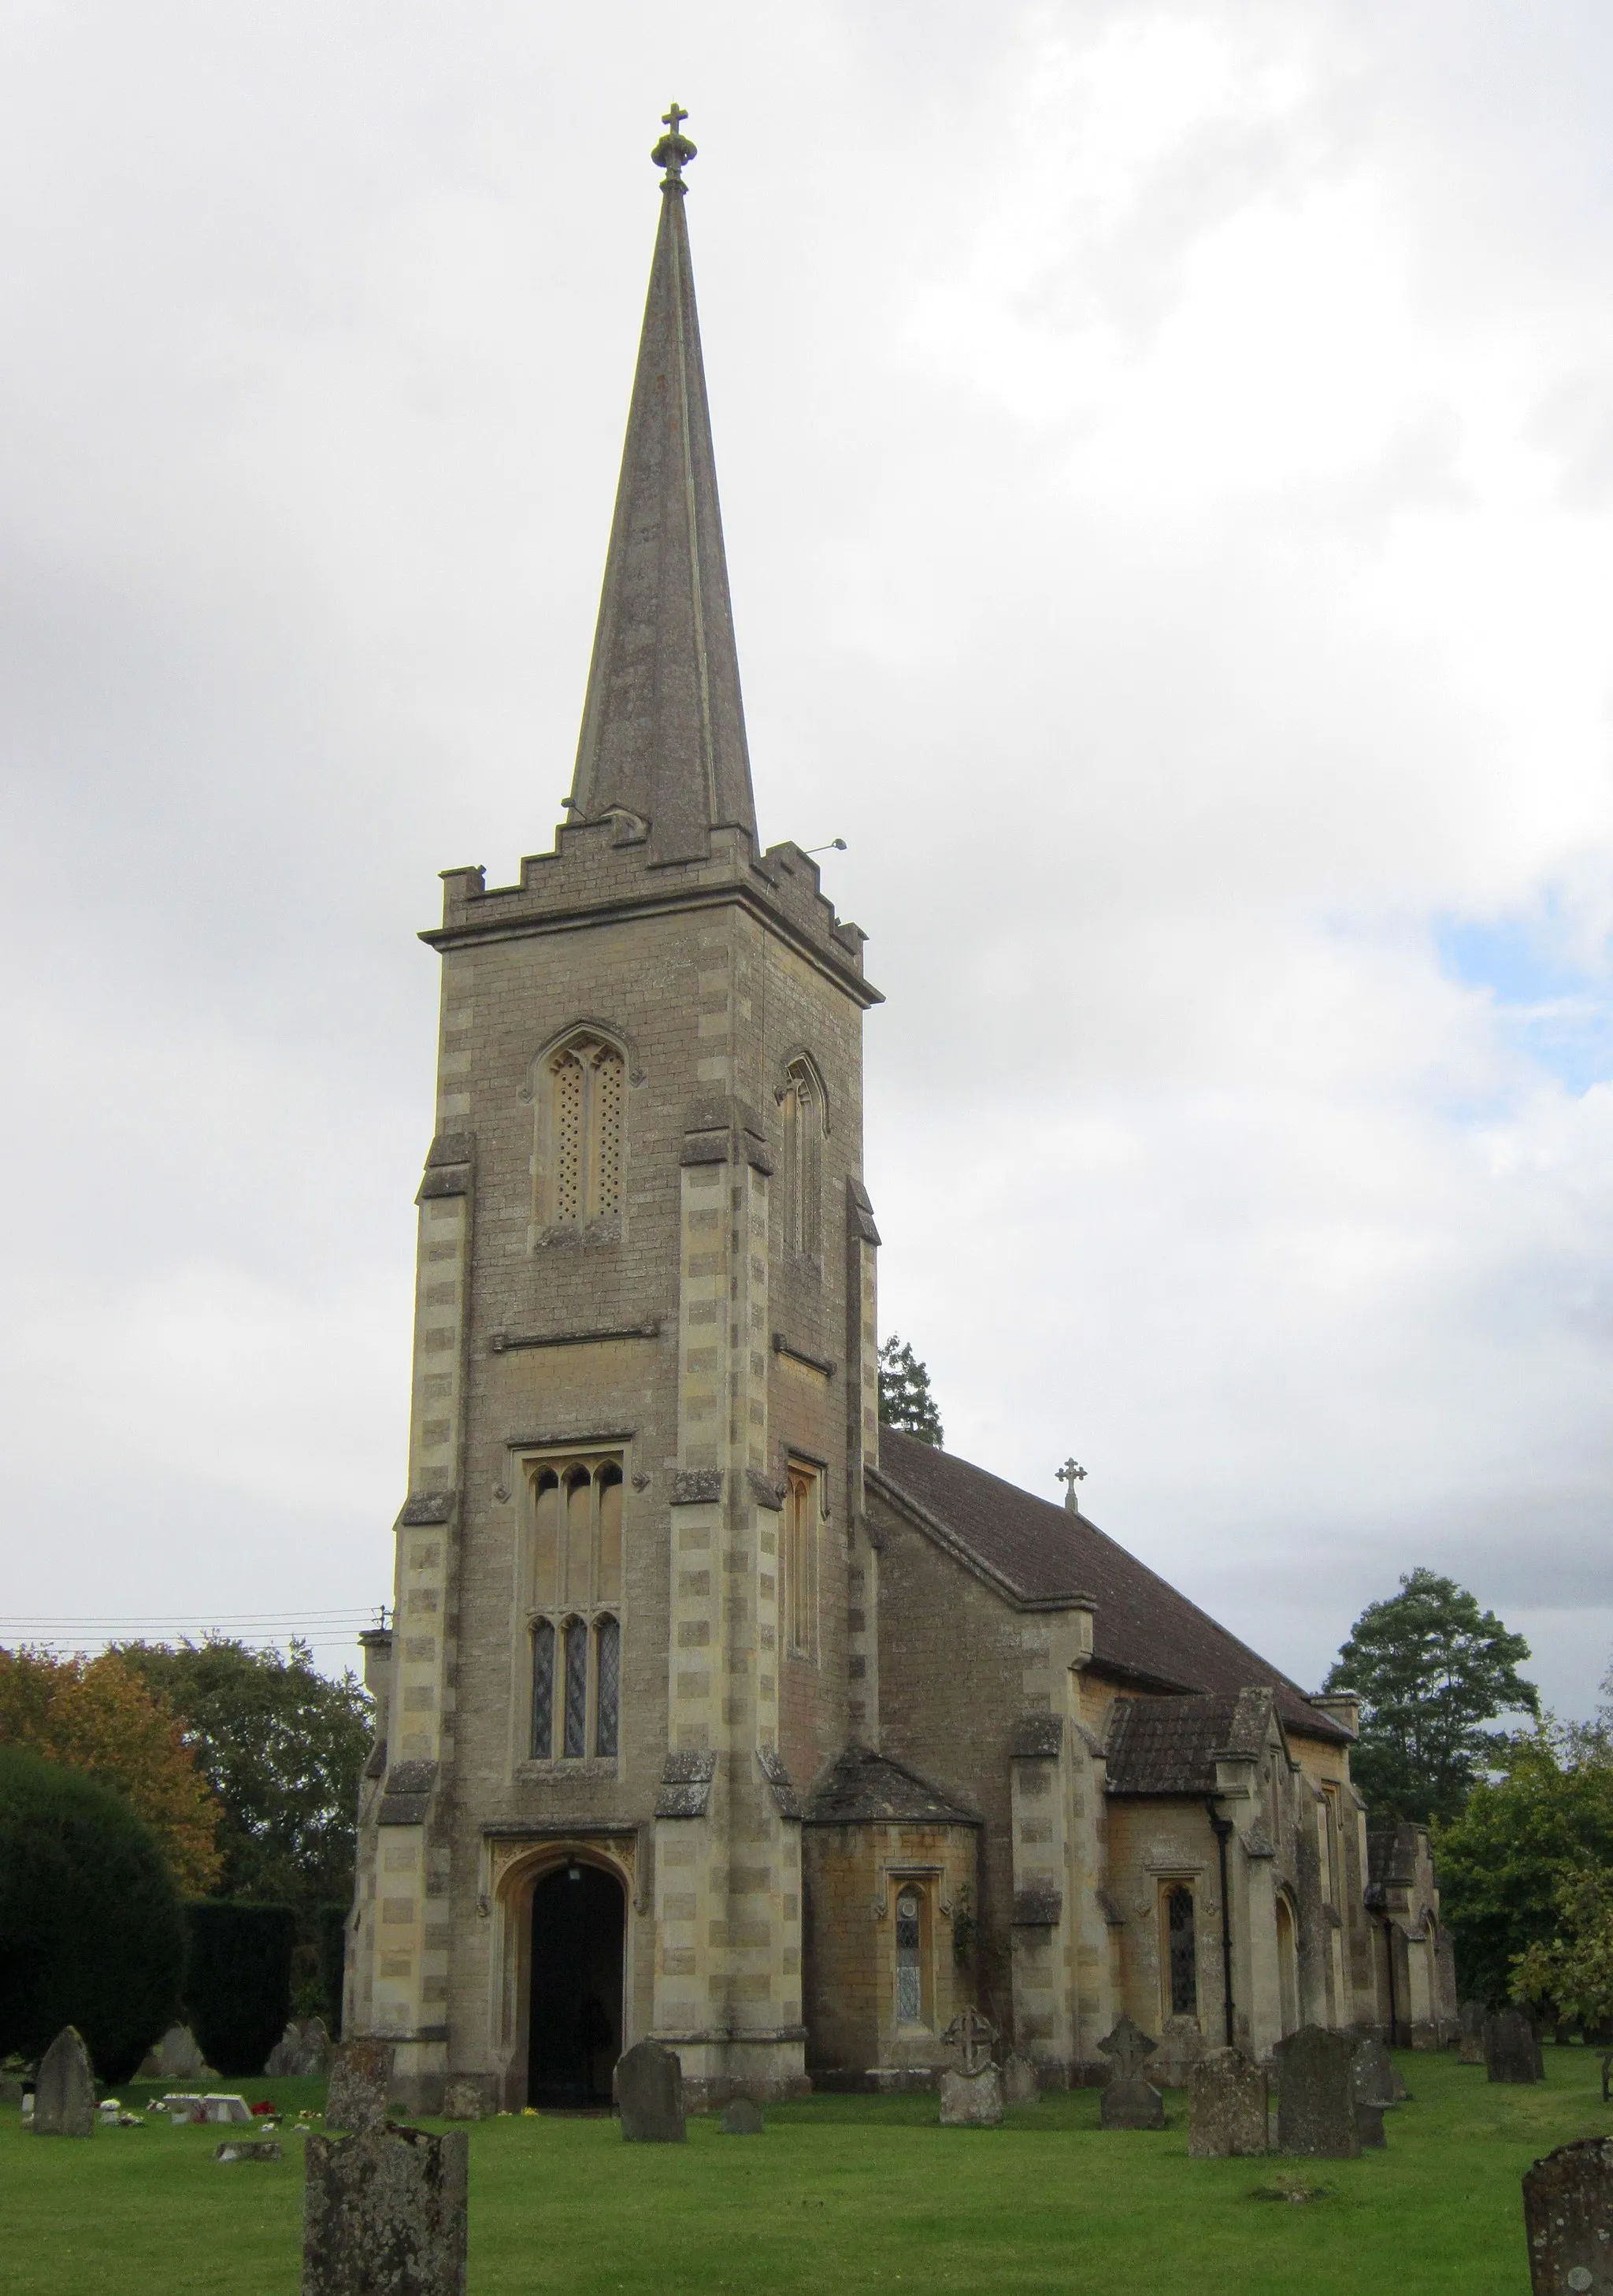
pixel 1315 2096
pixel 303 2049
pixel 649 2095
pixel 464 2097
pixel 384 2214
pixel 361 2077
pixel 1226 2107
pixel 1181 2046
pixel 1369 2122
pixel 1567 2208
pixel 1470 2049
pixel 1512 2047
pixel 176 2057
pixel 226 2108
pixel 64 2095
pixel 261 2148
pixel 971 2091
pixel 1127 2100
pixel 742 2117
pixel 1019 2082
pixel 1377 2080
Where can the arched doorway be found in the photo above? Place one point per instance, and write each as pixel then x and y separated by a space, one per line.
pixel 1288 1968
pixel 574 2036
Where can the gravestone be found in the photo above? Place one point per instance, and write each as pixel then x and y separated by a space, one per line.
pixel 64 2095
pixel 1376 2079
pixel 13 2072
pixel 225 2107
pixel 176 2057
pixel 1512 2047
pixel 1181 2046
pixel 1568 2210
pixel 361 2077
pixel 464 2097
pixel 1226 2107
pixel 1127 2100
pixel 384 2214
pixel 302 2050
pixel 1470 2049
pixel 1369 2123
pixel 742 2117
pixel 262 2148
pixel 1019 2082
pixel 650 2093
pixel 972 2100
pixel 1315 2096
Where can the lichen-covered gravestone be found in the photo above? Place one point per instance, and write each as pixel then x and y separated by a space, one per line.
pixel 1128 2101
pixel 1019 2082
pixel 1377 2080
pixel 464 2097
pixel 742 2117
pixel 971 2091
pixel 1512 2047
pixel 64 2095
pixel 176 2057
pixel 384 2214
pixel 1316 2095
pixel 1471 2048
pixel 650 2093
pixel 304 2048
pixel 361 2077
pixel 1226 2107
pixel 1181 2046
pixel 1567 2207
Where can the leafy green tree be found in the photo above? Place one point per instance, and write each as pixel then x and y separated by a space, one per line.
pixel 905 1400
pixel 1504 1861
pixel 283 1747
pixel 1430 1669
pixel 1570 1977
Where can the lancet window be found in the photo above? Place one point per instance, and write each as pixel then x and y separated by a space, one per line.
pixel 801 1174
pixel 1182 1959
pixel 803 1511
pixel 910 1960
pixel 580 1156
pixel 574 1607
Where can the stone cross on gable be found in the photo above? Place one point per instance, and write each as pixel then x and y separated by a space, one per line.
pixel 675 150
pixel 1130 2047
pixel 1069 1474
pixel 972 2035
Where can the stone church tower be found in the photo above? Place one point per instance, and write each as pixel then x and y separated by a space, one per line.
pixel 645 1382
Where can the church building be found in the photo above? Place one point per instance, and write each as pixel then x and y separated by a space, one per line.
pixel 711 1709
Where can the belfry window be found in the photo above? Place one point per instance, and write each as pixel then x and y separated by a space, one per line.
pixel 800 1529
pixel 578 1164
pixel 1181 1957
pixel 574 1572
pixel 801 1182
pixel 910 1963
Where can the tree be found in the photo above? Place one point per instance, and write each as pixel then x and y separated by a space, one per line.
pixel 1504 1861
pixel 90 1930
pixel 283 1746
pixel 98 1717
pixel 1570 1977
pixel 1430 1669
pixel 905 1400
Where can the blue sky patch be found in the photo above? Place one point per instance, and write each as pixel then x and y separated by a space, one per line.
pixel 1553 1008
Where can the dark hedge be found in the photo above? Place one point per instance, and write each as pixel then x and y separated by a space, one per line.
pixel 92 1933
pixel 238 1980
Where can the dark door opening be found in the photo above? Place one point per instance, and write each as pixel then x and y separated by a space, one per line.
pixel 579 1924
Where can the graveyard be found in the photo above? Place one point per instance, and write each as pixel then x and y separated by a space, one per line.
pixel 839 2192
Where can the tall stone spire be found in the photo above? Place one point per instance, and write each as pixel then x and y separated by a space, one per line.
pixel 663 735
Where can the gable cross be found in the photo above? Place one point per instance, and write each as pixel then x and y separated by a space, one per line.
pixel 1069 1474
pixel 675 150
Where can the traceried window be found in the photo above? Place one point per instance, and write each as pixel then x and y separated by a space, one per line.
pixel 575 1594
pixel 579 1148
pixel 801 1180
pixel 1181 1957
pixel 803 1510
pixel 910 1964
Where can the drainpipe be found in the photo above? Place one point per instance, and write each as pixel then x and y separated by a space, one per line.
pixel 1222 1828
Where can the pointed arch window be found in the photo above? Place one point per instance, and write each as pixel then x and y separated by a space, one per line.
pixel 802 1169
pixel 803 1510
pixel 1182 1959
pixel 579 1158
pixel 574 1576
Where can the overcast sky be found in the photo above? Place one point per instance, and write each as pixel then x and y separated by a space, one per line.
pixel 1167 454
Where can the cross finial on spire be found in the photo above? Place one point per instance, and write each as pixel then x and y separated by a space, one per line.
pixel 675 150
pixel 1069 1474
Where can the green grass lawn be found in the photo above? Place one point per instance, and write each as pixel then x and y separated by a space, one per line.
pixel 843 2193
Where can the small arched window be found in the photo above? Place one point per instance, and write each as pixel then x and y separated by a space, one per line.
pixel 579 1152
pixel 801 1178
pixel 608 1674
pixel 802 1509
pixel 1180 1948
pixel 910 1967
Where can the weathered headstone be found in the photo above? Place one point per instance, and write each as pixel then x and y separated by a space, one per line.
pixel 1226 2107
pixel 1315 2096
pixel 1567 2208
pixel 1181 2046
pixel 1470 2050
pixel 1128 2101
pixel 742 2117
pixel 1512 2047
pixel 226 2108
pixel 304 2049
pixel 176 2057
pixel 1376 2076
pixel 361 2077
pixel 1369 2123
pixel 464 2097
pixel 262 2148
pixel 1019 2082
pixel 972 2100
pixel 649 2095
pixel 64 2095
pixel 384 2214
pixel 13 2072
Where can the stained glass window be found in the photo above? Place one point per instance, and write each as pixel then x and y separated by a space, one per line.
pixel 608 1640
pixel 1183 1961
pixel 542 1690
pixel 910 1991
pixel 576 1687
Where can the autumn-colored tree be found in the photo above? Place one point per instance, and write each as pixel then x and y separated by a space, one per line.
pixel 97 1715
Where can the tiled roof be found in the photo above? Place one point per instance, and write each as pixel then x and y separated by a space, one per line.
pixel 1168 1746
pixel 865 1788
pixel 1143 1631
